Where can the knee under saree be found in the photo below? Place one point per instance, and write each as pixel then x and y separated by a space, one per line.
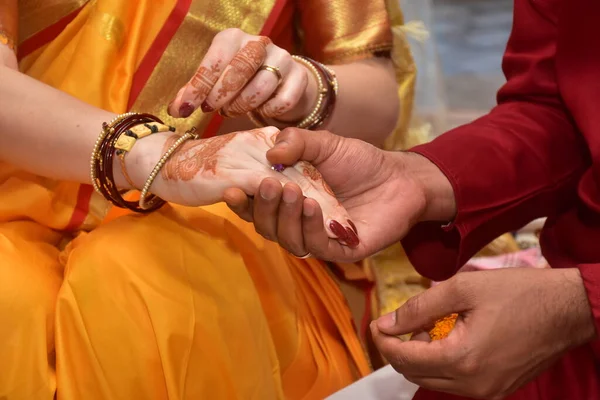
pixel 185 303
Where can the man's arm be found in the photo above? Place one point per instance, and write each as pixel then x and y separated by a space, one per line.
pixel 520 162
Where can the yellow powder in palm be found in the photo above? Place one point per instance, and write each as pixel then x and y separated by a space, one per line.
pixel 443 327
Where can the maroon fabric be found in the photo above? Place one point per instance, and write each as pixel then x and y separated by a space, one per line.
pixel 536 154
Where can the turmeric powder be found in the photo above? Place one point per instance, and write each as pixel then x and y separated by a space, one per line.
pixel 443 327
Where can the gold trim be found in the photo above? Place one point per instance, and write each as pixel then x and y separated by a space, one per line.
pixel 37 15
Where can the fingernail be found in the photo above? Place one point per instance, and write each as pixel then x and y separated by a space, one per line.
pixel 281 144
pixel 185 110
pixel 338 230
pixel 373 326
pixel 289 196
pixel 351 238
pixel 267 193
pixel 206 108
pixel 352 226
pixel 308 210
pixel 387 321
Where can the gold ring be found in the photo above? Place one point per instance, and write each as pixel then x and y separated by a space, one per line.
pixel 304 257
pixel 274 70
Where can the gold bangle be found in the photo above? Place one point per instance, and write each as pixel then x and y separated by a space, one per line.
pixel 95 152
pixel 103 154
pixel 321 92
pixel 128 139
pixel 328 90
pixel 256 118
pixel 191 134
pixel 8 40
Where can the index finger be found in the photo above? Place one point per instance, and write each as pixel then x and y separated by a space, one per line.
pixel 193 94
pixel 417 358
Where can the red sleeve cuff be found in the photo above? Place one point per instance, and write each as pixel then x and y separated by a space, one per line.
pixel 438 250
pixel 491 200
pixel 590 273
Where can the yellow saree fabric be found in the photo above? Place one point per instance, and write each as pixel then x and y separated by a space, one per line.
pixel 185 303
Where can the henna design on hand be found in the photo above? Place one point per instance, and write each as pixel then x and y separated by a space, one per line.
pixel 243 66
pixel 198 156
pixel 261 135
pixel 194 157
pixel 242 104
pixel 205 79
pixel 311 172
pixel 271 110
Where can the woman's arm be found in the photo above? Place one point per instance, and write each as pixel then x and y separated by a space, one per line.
pixel 45 131
pixel 367 105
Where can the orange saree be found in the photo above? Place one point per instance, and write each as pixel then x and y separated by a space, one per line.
pixel 185 303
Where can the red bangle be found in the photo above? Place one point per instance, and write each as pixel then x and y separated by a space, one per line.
pixel 102 163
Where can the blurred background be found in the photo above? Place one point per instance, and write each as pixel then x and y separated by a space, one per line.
pixel 458 47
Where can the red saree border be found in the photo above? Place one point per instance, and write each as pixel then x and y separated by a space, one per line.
pixel 84 196
pixel 46 35
pixel 160 44
pixel 141 77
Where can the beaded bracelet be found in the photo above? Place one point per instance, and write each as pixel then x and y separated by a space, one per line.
pixel 324 107
pixel 191 134
pixel 327 90
pixel 101 165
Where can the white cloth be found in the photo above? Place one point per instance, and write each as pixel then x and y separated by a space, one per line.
pixel 383 384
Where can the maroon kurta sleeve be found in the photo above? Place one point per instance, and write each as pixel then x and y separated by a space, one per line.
pixel 520 162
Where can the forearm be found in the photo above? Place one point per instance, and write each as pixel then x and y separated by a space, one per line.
pixel 367 104
pixel 46 131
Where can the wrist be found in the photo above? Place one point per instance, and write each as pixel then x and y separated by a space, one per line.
pixel 440 202
pixel 577 307
pixel 140 162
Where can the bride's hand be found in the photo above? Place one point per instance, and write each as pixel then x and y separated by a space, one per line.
pixel 201 171
pixel 232 78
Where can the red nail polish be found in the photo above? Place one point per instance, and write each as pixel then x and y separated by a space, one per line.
pixel 206 108
pixel 352 226
pixel 352 239
pixel 338 230
pixel 186 110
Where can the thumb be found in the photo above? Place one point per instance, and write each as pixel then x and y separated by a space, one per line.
pixel 424 309
pixel 293 145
